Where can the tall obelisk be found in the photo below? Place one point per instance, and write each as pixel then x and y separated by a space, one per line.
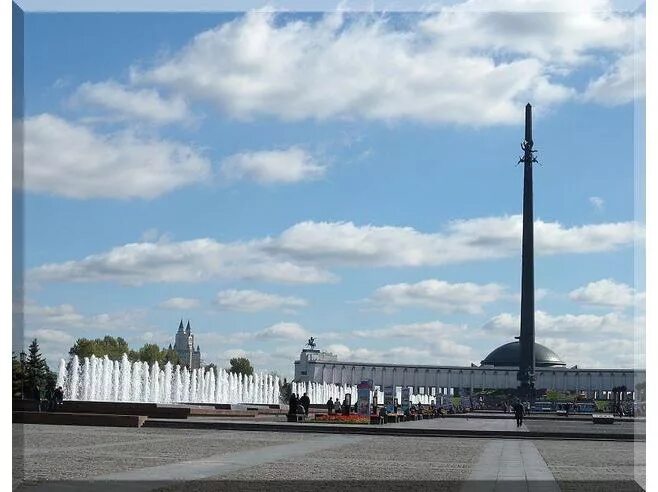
pixel 526 374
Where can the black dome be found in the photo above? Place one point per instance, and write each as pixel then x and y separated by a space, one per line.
pixel 509 354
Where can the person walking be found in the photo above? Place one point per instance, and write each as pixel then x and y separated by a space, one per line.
pixel 305 402
pixel 59 397
pixel 518 413
pixel 330 405
pixel 337 407
pixel 36 394
pixel 292 404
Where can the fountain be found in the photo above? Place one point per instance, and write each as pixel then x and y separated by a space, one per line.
pixel 101 379
pixel 319 393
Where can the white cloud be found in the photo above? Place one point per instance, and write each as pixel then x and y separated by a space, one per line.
pixel 153 235
pixel 70 160
pixel 344 243
pixel 253 300
pixel 575 325
pixel 471 63
pixel 131 104
pixel 442 352
pixel 53 344
pixel 283 331
pixel 57 327
pixel 437 294
pixel 300 253
pixel 179 303
pixel 66 317
pixel 587 340
pixel 426 332
pixel 277 359
pixel 623 82
pixel 539 294
pixel 560 33
pixel 607 293
pixel 291 165
pixel 597 202
pixel 64 314
pixel 437 339
pixel 45 335
pixel 596 354
pixel 188 261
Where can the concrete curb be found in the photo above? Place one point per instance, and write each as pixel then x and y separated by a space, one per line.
pixel 91 419
pixel 390 431
pixel 573 418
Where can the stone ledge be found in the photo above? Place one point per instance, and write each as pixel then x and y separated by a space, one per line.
pixel 389 430
pixel 91 419
pixel 125 408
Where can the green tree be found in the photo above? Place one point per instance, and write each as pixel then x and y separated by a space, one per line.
pixel 211 367
pixel 37 374
pixel 83 347
pixel 241 365
pixel 18 375
pixel 170 355
pixel 113 347
pixel 133 355
pixel 552 395
pixel 150 353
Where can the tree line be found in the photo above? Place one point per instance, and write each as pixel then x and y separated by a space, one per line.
pixel 30 374
pixel 32 378
pixel 114 348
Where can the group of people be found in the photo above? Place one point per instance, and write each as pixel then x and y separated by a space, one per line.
pixel 335 407
pixel 54 398
pixel 298 405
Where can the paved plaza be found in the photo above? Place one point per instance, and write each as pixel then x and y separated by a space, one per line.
pixel 72 457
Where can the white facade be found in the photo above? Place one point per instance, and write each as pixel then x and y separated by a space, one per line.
pixel 441 379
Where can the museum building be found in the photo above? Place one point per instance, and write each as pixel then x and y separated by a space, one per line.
pixel 498 370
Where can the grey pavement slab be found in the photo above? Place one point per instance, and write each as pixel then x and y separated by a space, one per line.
pixel 614 465
pixel 381 459
pixel 220 464
pixel 66 452
pixel 510 465
pixel 573 426
pixel 202 459
pixel 469 424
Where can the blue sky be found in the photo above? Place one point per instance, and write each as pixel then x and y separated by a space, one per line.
pixel 272 177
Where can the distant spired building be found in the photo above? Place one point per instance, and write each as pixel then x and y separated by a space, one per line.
pixel 184 347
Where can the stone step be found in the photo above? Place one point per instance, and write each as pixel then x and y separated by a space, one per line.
pixel 91 419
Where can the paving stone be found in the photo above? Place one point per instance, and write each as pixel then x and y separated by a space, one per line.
pixel 50 453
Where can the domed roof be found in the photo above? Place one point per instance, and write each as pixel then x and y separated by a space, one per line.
pixel 509 355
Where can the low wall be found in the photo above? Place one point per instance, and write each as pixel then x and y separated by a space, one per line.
pixel 216 412
pixel 91 419
pixel 25 405
pixel 125 408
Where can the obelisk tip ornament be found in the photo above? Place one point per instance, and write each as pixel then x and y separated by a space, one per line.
pixel 526 374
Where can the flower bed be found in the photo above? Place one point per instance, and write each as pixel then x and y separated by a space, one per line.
pixel 342 419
